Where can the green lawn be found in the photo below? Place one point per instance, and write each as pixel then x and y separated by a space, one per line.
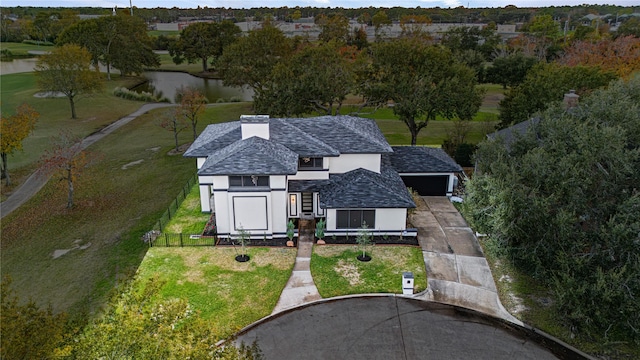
pixel 119 198
pixel 167 64
pixel 227 294
pixel 189 219
pixel 163 32
pixel 336 271
pixel 22 49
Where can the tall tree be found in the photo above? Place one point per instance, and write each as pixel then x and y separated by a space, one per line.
pixel 115 41
pixel 421 81
pixel 334 27
pixel 13 130
pixel 316 78
pixel 204 41
pixel 380 21
pixel 621 55
pixel 544 84
pixel 68 70
pixel 510 70
pixel 250 60
pixel 192 105
pixel 67 158
pixel 562 203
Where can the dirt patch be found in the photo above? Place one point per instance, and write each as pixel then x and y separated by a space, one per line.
pixel 194 276
pixel 515 304
pixel 133 163
pixel 49 94
pixel 90 119
pixel 60 252
pixel 181 149
pixel 154 149
pixel 349 272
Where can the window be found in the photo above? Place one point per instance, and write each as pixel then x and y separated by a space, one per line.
pixel 353 219
pixel 309 163
pixel 248 181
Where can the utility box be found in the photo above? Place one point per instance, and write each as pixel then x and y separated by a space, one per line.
pixel 407 283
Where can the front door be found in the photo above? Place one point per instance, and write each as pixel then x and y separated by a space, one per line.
pixel 307 202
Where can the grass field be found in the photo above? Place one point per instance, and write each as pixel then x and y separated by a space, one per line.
pixel 22 49
pixel 336 271
pixel 73 258
pixel 227 294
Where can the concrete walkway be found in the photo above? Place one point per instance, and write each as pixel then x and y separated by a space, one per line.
pixel 456 268
pixel 36 181
pixel 300 288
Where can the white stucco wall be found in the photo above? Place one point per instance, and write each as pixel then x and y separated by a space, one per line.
pixel 251 211
pixel 205 195
pixel 200 161
pixel 279 211
pixel 310 175
pixel 253 129
pixel 391 219
pixel 348 162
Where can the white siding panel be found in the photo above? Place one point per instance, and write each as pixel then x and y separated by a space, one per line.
pixel 279 211
pixel 391 219
pixel 251 213
pixel 310 175
pixel 347 162
pixel 205 195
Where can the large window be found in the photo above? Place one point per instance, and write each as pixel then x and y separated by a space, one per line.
pixel 309 163
pixel 353 219
pixel 248 181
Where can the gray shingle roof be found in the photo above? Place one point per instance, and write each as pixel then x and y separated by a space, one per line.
pixel 366 189
pixel 347 134
pixel 510 134
pixel 252 156
pixel 320 136
pixel 306 185
pixel 283 132
pixel 420 159
pixel 213 138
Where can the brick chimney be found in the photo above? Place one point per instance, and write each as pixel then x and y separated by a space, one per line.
pixel 571 99
pixel 254 125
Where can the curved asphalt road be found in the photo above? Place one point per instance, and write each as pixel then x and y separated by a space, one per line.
pixel 36 181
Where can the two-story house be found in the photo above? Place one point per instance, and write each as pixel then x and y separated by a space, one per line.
pixel 258 173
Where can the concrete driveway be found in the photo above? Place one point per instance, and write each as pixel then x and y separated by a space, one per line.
pixel 457 271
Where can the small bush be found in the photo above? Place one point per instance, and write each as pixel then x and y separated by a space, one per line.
pixel 137 96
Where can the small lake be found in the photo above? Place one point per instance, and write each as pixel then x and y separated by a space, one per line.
pixel 161 83
pixel 167 84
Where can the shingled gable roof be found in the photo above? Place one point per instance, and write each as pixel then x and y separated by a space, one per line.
pixel 213 138
pixel 347 134
pixel 281 131
pixel 252 156
pixel 366 189
pixel 512 133
pixel 420 159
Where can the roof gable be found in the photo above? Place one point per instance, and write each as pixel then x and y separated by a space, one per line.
pixel 213 138
pixel 252 156
pixel 420 159
pixel 362 188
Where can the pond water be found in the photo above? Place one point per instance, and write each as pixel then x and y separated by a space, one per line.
pixel 161 83
pixel 167 84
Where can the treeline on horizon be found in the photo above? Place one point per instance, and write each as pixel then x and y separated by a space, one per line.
pixel 503 15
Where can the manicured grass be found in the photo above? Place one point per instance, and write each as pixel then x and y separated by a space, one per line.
pixel 227 294
pixel 115 206
pixel 94 113
pixel 22 49
pixel 167 64
pixel 336 271
pixel 435 133
pixel 189 219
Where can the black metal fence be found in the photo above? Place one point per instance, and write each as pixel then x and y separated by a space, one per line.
pixel 180 240
pixel 175 204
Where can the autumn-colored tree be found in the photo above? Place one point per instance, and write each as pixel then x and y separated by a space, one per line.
pixel 174 121
pixel 13 130
pixel 67 158
pixel 68 70
pixel 334 27
pixel 192 105
pixel 621 55
pixel 28 332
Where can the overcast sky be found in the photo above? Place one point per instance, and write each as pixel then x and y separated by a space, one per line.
pixel 317 3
